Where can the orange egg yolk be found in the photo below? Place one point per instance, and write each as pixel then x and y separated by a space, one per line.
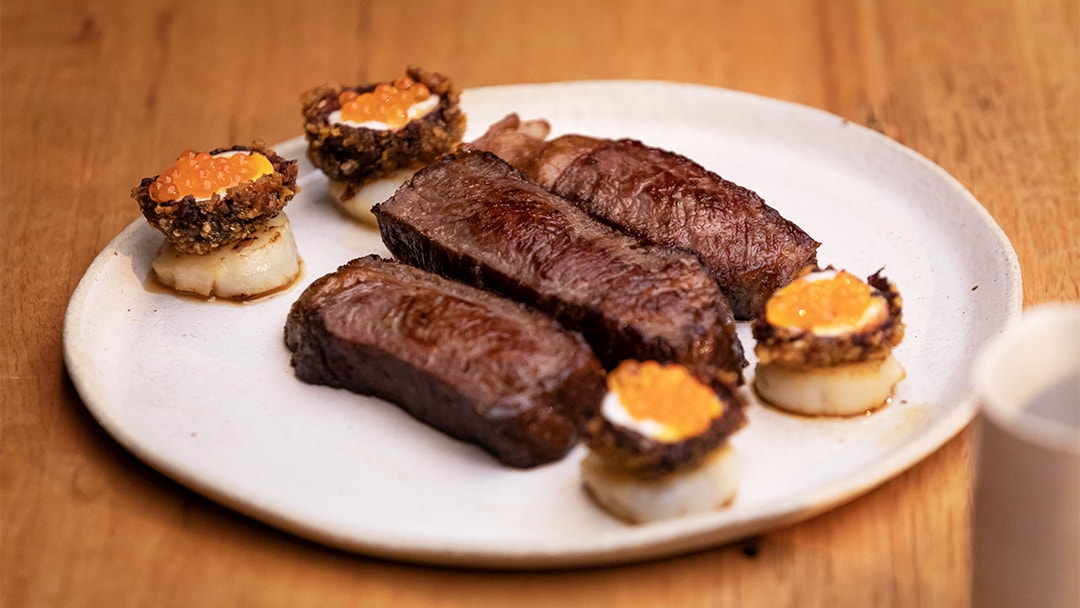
pixel 838 301
pixel 666 394
pixel 200 174
pixel 388 103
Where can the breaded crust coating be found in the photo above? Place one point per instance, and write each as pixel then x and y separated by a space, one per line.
pixel 357 155
pixel 795 348
pixel 201 226
pixel 646 458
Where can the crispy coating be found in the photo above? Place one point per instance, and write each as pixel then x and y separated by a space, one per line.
pixel 646 458
pixel 798 349
pixel 201 226
pixel 357 155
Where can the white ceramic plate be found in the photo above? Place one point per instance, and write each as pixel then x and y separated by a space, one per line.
pixel 203 391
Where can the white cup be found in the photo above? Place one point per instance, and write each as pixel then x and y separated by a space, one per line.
pixel 1026 528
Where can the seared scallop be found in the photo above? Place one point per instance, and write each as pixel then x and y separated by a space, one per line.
pixel 221 214
pixel 368 139
pixel 658 446
pixel 824 344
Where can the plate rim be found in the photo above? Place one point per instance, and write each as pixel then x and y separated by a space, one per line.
pixel 863 481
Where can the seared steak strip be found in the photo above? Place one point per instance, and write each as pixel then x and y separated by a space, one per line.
pixel 473 217
pixel 666 199
pixel 478 367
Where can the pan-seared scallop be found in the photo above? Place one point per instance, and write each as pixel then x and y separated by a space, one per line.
pixel 658 447
pixel 824 344
pixel 369 139
pixel 221 214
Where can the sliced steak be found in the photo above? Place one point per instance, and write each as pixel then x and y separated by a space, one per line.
pixel 666 199
pixel 473 217
pixel 478 367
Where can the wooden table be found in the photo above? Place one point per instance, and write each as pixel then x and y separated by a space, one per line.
pixel 96 95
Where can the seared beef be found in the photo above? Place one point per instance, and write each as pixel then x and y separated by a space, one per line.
pixel 666 199
pixel 476 366
pixel 473 217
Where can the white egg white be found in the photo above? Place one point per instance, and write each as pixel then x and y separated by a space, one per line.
pixel 613 409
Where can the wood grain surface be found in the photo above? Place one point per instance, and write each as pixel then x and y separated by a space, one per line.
pixel 96 95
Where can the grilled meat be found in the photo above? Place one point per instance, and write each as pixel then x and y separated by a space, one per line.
pixel 478 367
pixel 666 199
pixel 473 217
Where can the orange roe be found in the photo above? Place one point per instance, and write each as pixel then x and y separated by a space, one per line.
pixel 839 301
pixel 666 394
pixel 201 175
pixel 388 103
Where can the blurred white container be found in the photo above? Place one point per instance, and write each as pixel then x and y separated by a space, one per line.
pixel 1026 528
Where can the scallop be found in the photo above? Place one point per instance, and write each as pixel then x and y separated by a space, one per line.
pixel 658 448
pixel 368 139
pixel 358 206
pixel 261 263
pixel 825 345
pixel 710 485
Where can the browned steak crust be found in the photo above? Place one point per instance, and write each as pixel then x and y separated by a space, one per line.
pixel 666 199
pixel 478 367
pixel 201 226
pixel 357 155
pixel 473 217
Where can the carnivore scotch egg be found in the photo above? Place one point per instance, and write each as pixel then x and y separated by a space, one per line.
pixel 658 447
pixel 824 344
pixel 369 139
pixel 221 214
